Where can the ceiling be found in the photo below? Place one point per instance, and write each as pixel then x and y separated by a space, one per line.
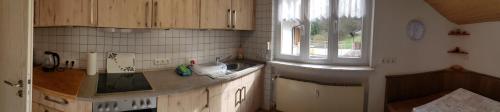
pixel 467 11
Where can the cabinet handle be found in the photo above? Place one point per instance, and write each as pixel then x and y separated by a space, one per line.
pixel 91 12
pixel 244 88
pixel 155 13
pixel 229 18
pixel 317 92
pixel 208 97
pixel 236 101
pixel 234 19
pixel 147 14
pixel 63 102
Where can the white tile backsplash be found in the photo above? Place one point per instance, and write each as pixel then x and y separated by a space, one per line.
pixel 73 43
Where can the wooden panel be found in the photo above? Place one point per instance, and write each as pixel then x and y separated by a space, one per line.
pixel 467 11
pixel 177 14
pixel 215 14
pixel 36 13
pixel 66 13
pixel 162 103
pixel 252 89
pixel 124 13
pixel 192 101
pixel 216 99
pixel 231 96
pixel 401 87
pixel 67 82
pixel 405 87
pixel 244 15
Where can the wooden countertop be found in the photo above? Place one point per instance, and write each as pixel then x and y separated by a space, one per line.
pixel 67 82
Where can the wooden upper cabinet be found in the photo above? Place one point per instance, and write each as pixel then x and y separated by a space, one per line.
pixel 65 13
pixel 184 14
pixel 243 14
pixel 215 14
pixel 125 13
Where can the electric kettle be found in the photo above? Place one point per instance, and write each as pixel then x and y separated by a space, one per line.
pixel 51 61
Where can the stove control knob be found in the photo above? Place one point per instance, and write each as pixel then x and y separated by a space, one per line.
pixel 142 104
pixel 106 107
pixel 148 102
pixel 115 106
pixel 100 108
pixel 134 105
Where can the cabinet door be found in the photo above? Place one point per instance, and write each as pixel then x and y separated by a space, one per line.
pixel 231 96
pixel 215 14
pixel 65 13
pixel 124 13
pixel 216 100
pixel 191 101
pixel 162 103
pixel 177 14
pixel 243 14
pixel 253 96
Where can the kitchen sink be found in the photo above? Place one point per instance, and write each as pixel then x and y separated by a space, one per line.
pixel 237 66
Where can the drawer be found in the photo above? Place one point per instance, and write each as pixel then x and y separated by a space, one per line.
pixel 54 101
pixel 36 107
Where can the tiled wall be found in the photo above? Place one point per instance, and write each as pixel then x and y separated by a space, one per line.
pixel 73 43
pixel 255 44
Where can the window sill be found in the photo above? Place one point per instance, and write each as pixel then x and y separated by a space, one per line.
pixel 322 67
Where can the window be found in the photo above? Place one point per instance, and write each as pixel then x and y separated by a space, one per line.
pixel 323 31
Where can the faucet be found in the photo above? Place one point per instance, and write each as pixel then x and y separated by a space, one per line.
pixel 218 60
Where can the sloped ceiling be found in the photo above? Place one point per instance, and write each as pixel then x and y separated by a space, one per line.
pixel 467 11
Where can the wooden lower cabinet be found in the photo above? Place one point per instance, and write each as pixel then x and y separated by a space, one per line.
pixel 240 95
pixel 49 101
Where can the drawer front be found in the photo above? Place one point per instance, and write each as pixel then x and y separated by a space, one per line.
pixel 54 101
pixel 36 107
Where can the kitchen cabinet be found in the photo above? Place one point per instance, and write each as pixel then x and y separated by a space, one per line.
pixel 36 6
pixel 227 14
pixel 215 14
pixel 191 101
pixel 65 13
pixel 50 101
pixel 240 95
pixel 124 13
pixel 183 14
pixel 243 14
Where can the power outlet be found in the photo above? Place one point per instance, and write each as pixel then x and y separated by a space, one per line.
pixel 161 61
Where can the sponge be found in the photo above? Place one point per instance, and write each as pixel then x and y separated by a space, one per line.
pixel 183 70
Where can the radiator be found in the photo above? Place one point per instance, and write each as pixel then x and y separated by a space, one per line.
pixel 299 96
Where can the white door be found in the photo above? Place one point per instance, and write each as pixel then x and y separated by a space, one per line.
pixel 16 29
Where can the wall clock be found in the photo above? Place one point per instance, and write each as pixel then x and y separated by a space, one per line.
pixel 415 30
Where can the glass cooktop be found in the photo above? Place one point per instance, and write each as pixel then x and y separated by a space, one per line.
pixel 122 82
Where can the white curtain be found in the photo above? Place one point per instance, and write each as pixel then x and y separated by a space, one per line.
pixel 319 9
pixel 351 8
pixel 289 10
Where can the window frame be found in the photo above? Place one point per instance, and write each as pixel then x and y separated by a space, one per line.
pixel 332 58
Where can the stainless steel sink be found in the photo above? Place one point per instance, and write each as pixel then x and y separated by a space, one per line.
pixel 237 66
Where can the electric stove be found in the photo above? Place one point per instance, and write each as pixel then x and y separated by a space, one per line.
pixel 122 82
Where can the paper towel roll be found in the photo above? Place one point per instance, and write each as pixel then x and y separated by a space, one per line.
pixel 92 63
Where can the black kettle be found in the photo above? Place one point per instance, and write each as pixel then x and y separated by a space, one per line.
pixel 51 61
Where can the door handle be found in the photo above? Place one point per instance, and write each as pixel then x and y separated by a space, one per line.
pixel 244 88
pixel 19 85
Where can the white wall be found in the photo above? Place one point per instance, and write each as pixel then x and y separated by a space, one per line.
pixel 483 47
pixel 390 41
